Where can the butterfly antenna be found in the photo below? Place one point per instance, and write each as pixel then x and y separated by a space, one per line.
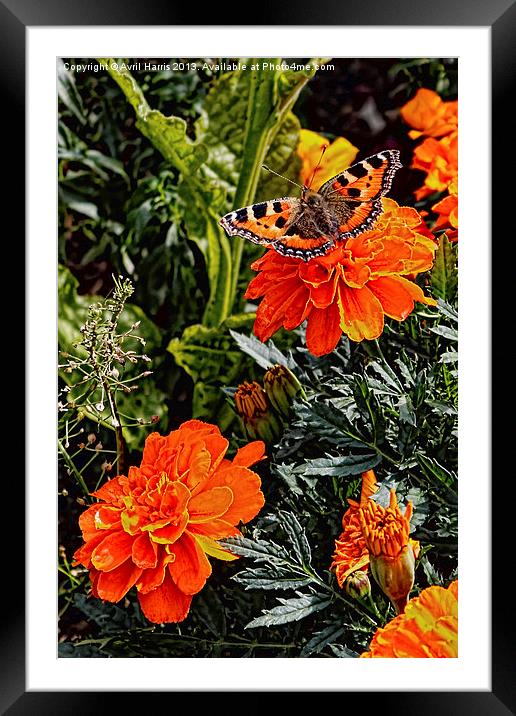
pixel 325 147
pixel 281 176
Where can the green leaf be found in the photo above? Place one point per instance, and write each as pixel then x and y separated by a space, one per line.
pixel 446 332
pixel 201 351
pixel 67 92
pixel 342 652
pixel 271 577
pixel 322 638
pixel 341 466
pixel 297 537
pixel 265 354
pixel 291 610
pixel 433 470
pixel 259 550
pixel 444 275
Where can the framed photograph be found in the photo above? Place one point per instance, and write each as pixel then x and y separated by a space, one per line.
pixel 273 404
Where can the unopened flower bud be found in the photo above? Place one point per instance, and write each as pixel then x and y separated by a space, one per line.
pixel 255 410
pixel 357 585
pixel 282 386
pixel 395 576
pixel 155 419
pixel 91 438
pixel 392 553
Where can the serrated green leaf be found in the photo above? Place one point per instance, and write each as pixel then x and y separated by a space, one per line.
pixel 322 639
pixel 291 610
pixel 297 537
pixel 446 332
pixel 449 357
pixel 444 275
pixel 271 577
pixel 340 466
pixel 257 549
pixel 342 652
pixel 265 354
pixel 447 310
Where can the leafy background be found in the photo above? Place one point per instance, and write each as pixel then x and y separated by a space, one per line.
pixel 148 162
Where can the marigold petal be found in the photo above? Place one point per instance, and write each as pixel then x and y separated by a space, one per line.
pixel 397 302
pixel 216 529
pixel 250 454
pixel 114 585
pixel 324 294
pixel 83 554
pixel 190 569
pixel 154 444
pixel 166 604
pixel 247 496
pixel 285 299
pixel 144 552
pixel 114 549
pixel 210 504
pixel 175 498
pixel 110 491
pixel 323 330
pixel 361 314
pixel 154 576
pixel 168 534
pixel 369 486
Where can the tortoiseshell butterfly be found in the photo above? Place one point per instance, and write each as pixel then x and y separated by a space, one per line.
pixel 309 226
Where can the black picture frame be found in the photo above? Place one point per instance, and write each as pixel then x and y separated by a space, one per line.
pixel 15 17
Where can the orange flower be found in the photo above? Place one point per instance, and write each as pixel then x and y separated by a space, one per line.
pixel 155 528
pixel 448 212
pixel 430 115
pixel 439 159
pixel 338 156
pixel 349 290
pixel 427 629
pixel 392 554
pixel 351 552
pixel 433 118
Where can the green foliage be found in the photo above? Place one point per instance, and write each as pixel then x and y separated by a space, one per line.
pixel 201 351
pixel 147 165
pixel 444 277
pixel 141 400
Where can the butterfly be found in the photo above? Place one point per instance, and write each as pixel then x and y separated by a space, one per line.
pixel 309 226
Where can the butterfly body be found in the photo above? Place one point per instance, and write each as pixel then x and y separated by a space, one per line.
pixel 309 226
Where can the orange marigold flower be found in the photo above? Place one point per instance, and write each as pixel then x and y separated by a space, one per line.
pixel 392 554
pixel 429 115
pixel 155 528
pixel 349 290
pixel 448 212
pixel 433 118
pixel 439 159
pixel 338 155
pixel 351 552
pixel 427 629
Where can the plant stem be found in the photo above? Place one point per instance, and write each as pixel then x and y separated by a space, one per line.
pixel 73 469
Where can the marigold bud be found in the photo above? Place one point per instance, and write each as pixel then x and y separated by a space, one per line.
pixel 395 576
pixel 392 554
pixel 357 585
pixel 254 408
pixel 281 386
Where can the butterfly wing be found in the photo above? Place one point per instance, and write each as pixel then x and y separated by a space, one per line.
pixel 273 223
pixel 360 188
